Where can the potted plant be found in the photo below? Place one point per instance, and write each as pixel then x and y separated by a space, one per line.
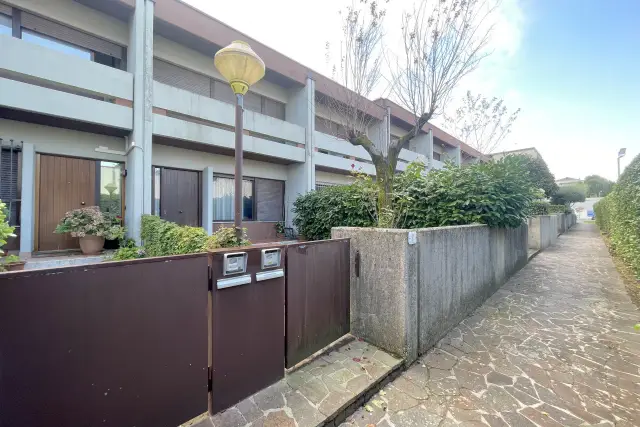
pixel 91 227
pixel 12 263
pixel 6 230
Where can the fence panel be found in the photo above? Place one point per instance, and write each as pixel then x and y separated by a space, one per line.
pixel 112 344
pixel 317 310
pixel 247 328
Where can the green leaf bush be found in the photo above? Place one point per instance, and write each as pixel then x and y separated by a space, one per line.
pixel 539 207
pixel 556 209
pixel 346 205
pixel 618 214
pixel 164 238
pixel 498 194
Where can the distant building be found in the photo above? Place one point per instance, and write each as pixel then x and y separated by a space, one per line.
pixel 531 152
pixel 568 181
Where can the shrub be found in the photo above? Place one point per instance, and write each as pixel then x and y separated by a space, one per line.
pixel 225 237
pixel 497 194
pixel 90 221
pixel 163 238
pixel 126 253
pixel 539 207
pixel 6 230
pixel 618 214
pixel 346 205
pixel 556 209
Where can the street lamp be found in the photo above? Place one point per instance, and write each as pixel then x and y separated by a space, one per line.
pixel 621 154
pixel 240 65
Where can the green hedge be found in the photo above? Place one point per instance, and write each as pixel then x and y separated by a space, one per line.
pixel 164 238
pixel 618 214
pixel 555 209
pixel 496 193
pixel 539 207
pixel 345 205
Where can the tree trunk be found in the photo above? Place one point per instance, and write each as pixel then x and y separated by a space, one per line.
pixel 385 174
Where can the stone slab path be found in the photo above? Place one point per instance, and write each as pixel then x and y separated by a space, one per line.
pixel 316 392
pixel 555 346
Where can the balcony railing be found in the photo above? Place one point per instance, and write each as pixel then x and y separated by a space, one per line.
pixel 36 79
pixel 187 116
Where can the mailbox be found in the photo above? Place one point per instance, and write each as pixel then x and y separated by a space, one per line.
pixel 234 263
pixel 271 258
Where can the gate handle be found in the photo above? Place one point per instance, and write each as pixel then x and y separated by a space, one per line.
pixel 180 211
pixel 82 203
pixel 267 275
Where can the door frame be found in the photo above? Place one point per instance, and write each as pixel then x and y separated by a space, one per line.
pixel 36 231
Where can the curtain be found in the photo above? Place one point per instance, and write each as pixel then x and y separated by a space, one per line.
pixel 223 193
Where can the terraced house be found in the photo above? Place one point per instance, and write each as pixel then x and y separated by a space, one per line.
pixel 118 103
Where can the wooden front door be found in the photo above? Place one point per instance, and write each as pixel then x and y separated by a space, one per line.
pixel 180 196
pixel 65 183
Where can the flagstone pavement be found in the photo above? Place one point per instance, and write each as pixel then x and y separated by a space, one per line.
pixel 555 346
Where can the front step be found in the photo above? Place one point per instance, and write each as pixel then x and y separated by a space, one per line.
pixel 322 392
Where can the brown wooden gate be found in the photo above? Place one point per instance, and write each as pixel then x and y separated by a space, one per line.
pixel 317 289
pixel 247 328
pixel 111 344
pixel 64 183
pixel 180 196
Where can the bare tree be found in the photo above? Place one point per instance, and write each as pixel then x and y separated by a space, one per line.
pixel 443 41
pixel 481 123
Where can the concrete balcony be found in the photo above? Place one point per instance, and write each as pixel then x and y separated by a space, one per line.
pixel 437 164
pixel 336 153
pixel 185 116
pixel 39 80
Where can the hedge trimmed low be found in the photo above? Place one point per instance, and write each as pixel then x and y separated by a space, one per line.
pixel 618 214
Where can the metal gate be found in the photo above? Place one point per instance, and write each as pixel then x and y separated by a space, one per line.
pixel 317 296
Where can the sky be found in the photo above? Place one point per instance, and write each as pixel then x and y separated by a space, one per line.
pixel 571 66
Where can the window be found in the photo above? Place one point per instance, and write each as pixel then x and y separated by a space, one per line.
pixel 223 199
pixel 55 44
pixel 111 188
pixel 5 25
pixel 436 156
pixel 269 200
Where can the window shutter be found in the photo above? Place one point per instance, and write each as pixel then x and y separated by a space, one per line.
pixel 270 198
pixel 181 78
pixel 253 102
pixel 222 92
pixel 5 10
pixel 9 182
pixel 70 35
pixel 273 108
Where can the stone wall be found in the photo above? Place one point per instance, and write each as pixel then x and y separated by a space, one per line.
pixel 409 287
pixel 543 231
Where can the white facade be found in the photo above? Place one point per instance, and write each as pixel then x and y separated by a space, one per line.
pixel 70 105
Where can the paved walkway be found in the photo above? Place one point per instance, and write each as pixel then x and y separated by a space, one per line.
pixel 554 347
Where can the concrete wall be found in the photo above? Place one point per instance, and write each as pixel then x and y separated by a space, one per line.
pixel 562 226
pixel 415 285
pixel 384 303
pixel 543 231
pixel 333 178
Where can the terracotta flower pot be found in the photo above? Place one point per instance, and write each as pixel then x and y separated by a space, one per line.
pixel 15 266
pixel 91 245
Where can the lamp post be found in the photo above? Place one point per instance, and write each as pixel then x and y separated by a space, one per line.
pixel 621 154
pixel 242 67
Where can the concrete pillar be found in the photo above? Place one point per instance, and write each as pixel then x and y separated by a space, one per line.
pixel 27 209
pixel 139 149
pixel 380 132
pixel 207 199
pixel 423 144
pixel 452 154
pixel 301 177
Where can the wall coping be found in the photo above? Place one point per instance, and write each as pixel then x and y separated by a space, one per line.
pixel 407 230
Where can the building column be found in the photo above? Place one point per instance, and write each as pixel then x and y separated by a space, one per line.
pixel 301 177
pixel 458 156
pixel 27 208
pixel 423 145
pixel 380 132
pixel 139 149
pixel 207 199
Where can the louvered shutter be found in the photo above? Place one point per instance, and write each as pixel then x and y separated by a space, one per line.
pixel 181 78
